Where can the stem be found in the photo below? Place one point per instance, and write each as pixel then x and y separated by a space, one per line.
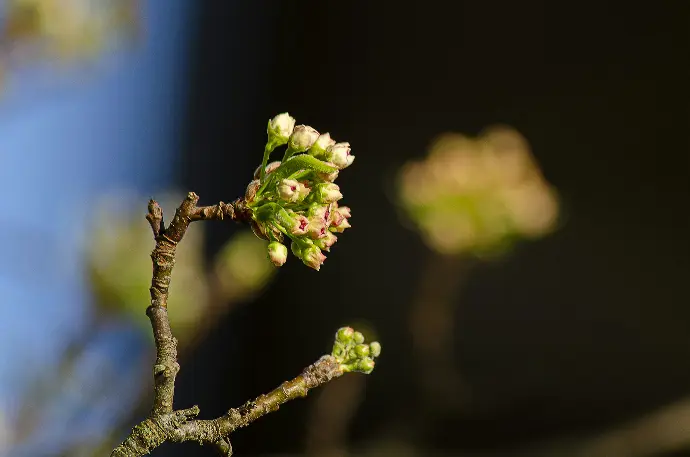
pixel 322 371
pixel 289 152
pixel 431 321
pixel 267 153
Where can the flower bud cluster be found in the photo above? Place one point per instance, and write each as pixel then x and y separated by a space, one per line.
pixel 353 354
pixel 296 197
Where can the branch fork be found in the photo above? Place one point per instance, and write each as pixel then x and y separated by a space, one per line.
pixel 163 422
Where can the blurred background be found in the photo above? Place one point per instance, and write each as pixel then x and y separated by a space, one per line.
pixel 520 223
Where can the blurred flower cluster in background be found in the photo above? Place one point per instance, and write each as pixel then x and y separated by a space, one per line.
pixel 65 31
pixel 478 195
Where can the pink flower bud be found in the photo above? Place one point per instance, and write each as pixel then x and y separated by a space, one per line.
pixel 326 242
pixel 300 226
pixel 277 253
pixel 340 228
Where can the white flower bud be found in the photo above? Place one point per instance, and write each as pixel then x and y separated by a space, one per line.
pixel 330 177
pixel 345 211
pixel 280 128
pixel 302 138
pixel 289 190
pixel 328 192
pixel 340 155
pixel 321 145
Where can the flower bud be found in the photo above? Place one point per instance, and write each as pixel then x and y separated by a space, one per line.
pixel 303 190
pixel 329 177
pixel 358 337
pixel 344 334
pixel 277 253
pixel 366 365
pixel 321 212
pixel 345 211
pixel 375 348
pixel 300 226
pixel 340 155
pixel 340 228
pixel 326 241
pixel 294 223
pixel 321 145
pixel 312 257
pixel 280 128
pixel 288 190
pixel 302 138
pixel 362 350
pixel 317 228
pixel 327 193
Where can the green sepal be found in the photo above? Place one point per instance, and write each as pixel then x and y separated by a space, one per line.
pixel 294 165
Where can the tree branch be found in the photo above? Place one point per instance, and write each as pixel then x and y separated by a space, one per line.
pixel 165 424
pixel 322 371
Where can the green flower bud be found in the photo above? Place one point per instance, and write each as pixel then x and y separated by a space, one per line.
pixel 375 348
pixel 362 350
pixel 365 365
pixel 345 334
pixel 358 338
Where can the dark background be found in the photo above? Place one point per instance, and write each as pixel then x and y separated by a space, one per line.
pixel 571 334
